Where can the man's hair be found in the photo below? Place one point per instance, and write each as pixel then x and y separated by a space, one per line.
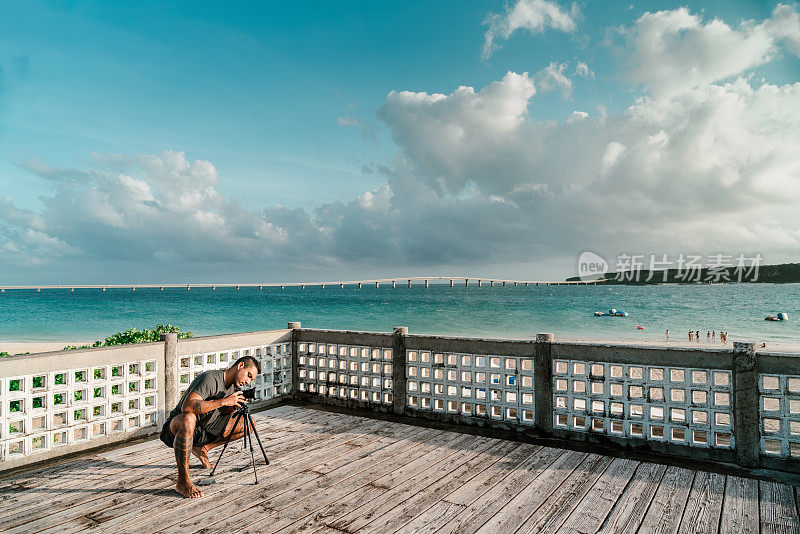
pixel 248 361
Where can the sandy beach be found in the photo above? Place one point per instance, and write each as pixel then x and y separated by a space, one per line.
pixel 34 347
pixel 770 345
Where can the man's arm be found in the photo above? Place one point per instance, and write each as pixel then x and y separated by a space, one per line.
pixel 195 404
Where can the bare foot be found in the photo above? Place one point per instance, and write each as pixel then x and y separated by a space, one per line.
pixel 201 454
pixel 189 490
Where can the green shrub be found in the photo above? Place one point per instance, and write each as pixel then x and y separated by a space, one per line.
pixel 133 335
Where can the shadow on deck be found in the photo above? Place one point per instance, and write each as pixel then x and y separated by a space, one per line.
pixel 332 472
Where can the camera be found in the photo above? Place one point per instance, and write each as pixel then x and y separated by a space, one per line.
pixel 249 394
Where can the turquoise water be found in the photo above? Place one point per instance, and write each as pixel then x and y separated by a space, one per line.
pixel 566 311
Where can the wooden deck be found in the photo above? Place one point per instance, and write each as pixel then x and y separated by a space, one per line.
pixel 340 473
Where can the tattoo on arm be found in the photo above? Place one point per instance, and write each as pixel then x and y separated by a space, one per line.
pixel 197 407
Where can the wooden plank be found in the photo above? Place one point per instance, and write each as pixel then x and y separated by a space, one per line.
pixel 278 514
pixel 560 503
pixel 94 467
pixel 395 458
pixel 417 499
pixel 20 509
pixel 483 508
pixel 629 510
pixel 141 509
pixel 102 465
pixel 299 484
pixel 778 510
pixel 134 510
pixel 457 500
pixel 539 486
pixel 317 509
pixel 11 481
pixel 402 487
pixel 739 506
pixel 704 504
pixel 432 519
pixel 75 506
pixel 595 505
pixel 88 502
pixel 159 462
pixel 318 519
pixel 292 518
pixel 198 517
pixel 666 508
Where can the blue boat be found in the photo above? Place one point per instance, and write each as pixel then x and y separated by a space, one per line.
pixel 611 313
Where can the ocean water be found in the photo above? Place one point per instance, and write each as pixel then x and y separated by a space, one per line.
pixel 517 312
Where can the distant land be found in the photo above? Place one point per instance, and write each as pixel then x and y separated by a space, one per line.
pixel 784 273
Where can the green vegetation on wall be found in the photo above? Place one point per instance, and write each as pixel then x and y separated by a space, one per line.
pixel 133 335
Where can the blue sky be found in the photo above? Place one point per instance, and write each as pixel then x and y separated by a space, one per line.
pixel 289 104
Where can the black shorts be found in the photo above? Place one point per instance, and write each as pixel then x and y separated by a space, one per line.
pixel 200 437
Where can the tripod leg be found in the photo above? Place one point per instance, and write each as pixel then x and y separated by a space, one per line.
pixel 252 455
pixel 266 462
pixel 227 440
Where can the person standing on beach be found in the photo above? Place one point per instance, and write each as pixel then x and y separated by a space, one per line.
pixel 714 336
pixel 667 334
pixel 691 335
pixel 708 336
pixel 202 418
pixel 697 335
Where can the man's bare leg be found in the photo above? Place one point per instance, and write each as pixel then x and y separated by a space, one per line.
pixel 183 427
pixel 202 454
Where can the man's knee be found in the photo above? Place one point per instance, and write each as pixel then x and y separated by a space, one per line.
pixel 183 423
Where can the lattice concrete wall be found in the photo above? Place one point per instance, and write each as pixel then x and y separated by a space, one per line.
pixel 779 409
pixel 471 385
pixel 679 405
pixel 44 411
pixel 276 368
pixel 346 371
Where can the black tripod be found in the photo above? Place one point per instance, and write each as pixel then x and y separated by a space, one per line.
pixel 244 413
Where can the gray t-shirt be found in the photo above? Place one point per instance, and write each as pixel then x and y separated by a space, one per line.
pixel 210 386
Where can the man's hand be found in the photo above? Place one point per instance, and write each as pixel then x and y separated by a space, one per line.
pixel 195 404
pixel 235 399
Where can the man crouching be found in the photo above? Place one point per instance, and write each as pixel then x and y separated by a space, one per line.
pixel 202 418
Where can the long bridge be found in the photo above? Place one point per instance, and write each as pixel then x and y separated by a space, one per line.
pixel 409 280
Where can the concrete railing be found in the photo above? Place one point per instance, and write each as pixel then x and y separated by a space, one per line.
pixel 58 403
pixel 726 405
pixel 731 405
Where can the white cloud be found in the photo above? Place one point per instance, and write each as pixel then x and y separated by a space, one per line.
pixel 663 172
pixel 475 180
pixel 577 115
pixel 533 15
pixel 675 51
pixel 583 70
pixel 710 165
pixel 559 76
pixel 438 132
pixel 163 203
pixel 612 154
pixel 784 25
pixel 552 78
pixel 347 121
